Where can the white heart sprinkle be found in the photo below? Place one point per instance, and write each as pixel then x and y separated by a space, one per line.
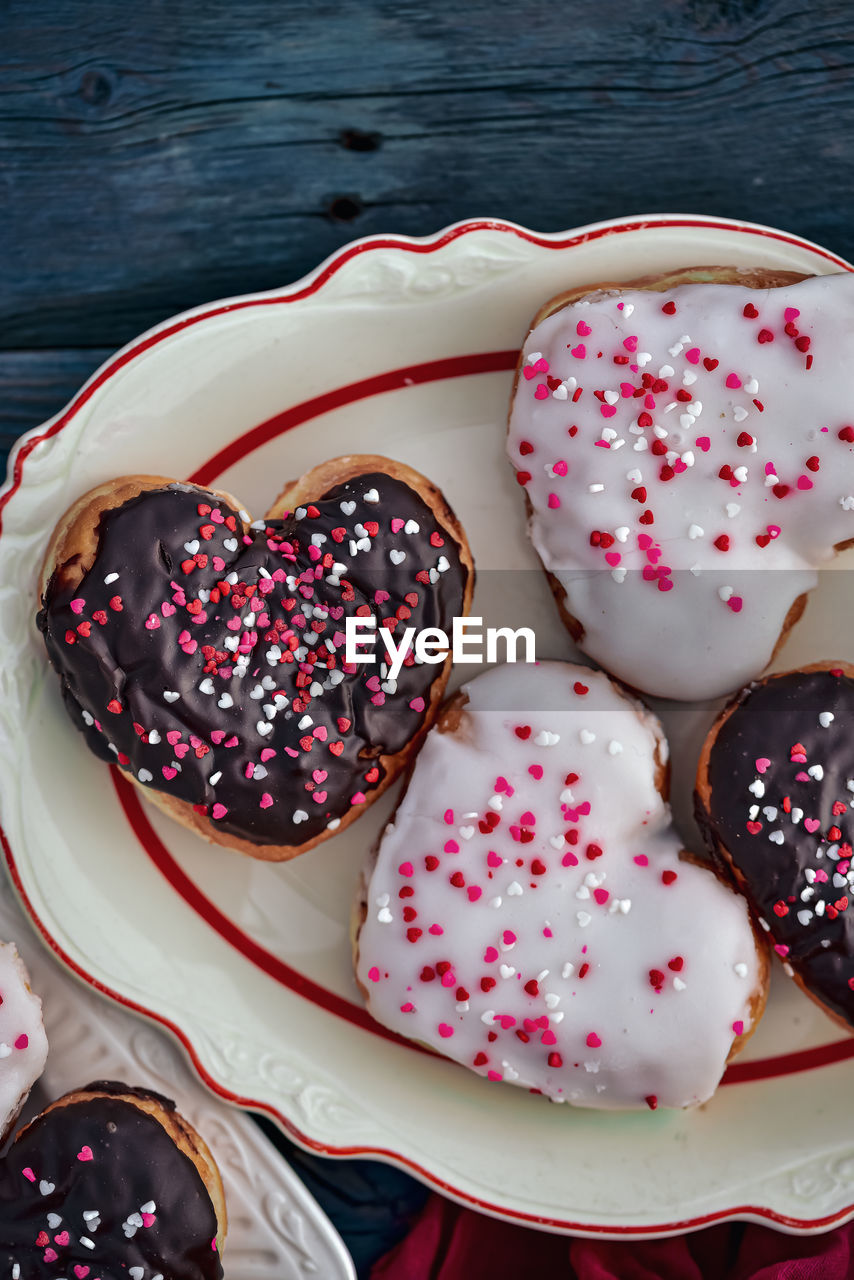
pixel 825 719
pixel 192 547
pixel 615 748
pixel 144 776
pixel 740 474
pixel 586 737
pixel 622 533
pixel 507 971
pixel 206 686
pixel 546 739
pixel 557 842
pixel 696 531
pixel 412 526
pixel 552 999
pixel 751 387
pixel 111 577
pixel 397 557
pixel 678 984
pixel 732 509
pixel 488 1016
pixel 225 701
pixel 170 696
pixel 348 508
pixel 757 788
pixel 739 413
pixel 568 970
pixel 53 1220
pixel 371 496
pixel 776 837
pixel 740 969
pixel 514 889
pixel 583 919
pixel 46 1187
pixel 816 771
pixel 467 832
pixel 230 544
pixel 300 815
pixel 264 727
pixel 560 393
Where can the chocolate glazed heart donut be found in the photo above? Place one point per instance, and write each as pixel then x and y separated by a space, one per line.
pixel 108 1182
pixel 775 789
pixel 206 654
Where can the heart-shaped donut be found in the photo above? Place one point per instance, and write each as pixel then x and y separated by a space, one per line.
pixel 531 913
pixel 205 654
pixel 110 1181
pixel 775 790
pixel 687 455
pixel 23 1043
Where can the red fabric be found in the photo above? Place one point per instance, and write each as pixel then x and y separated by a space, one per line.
pixel 451 1243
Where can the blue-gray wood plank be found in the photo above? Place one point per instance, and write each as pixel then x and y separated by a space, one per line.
pixel 158 155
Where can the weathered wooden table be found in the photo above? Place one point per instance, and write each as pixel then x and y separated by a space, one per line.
pixel 157 156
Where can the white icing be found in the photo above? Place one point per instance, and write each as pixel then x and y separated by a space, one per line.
pixel 689 641
pixel 671 1045
pixel 21 1063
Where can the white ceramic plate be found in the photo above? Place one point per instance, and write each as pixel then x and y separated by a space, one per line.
pixel 405 348
pixel 276 1230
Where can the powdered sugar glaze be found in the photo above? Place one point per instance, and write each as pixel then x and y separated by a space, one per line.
pixel 689 461
pixel 529 914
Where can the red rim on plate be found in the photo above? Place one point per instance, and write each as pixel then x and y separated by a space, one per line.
pixel 206 474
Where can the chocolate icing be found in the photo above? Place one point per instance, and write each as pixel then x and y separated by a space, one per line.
pixel 784 879
pixel 146 632
pixel 134 1162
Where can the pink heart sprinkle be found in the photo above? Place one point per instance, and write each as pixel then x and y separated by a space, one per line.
pixel 357 798
pixel 28 1174
pixel 490 955
pixel 152 622
pixel 445 1030
pixel 541 365
pixel 607 410
pixel 733 380
pixel 812 824
pixel 548 1037
pixel 529 372
pixel 593 1041
pixel 641 859
pixel 541 392
pixel 266 754
pixel 396 525
pixel 266 800
pixel 494 859
pixel 583 329
pixel 319 775
pixel 417 704
pixel 168 772
pixel 536 771
pixel 448 817
pixel 62 1239
pixel 693 356
pixel 474 892
pixel 77 605
pixel 84 1154
pixel 631 343
pixel 804 482
pixel 762 763
pixel 405 868
pixel 791 313
pixel 81 1270
pixel 554 501
pixel 436 930
pixel 217 736
pixel 736 604
pixel 173 736
pixel 738 1027
pixel 560 468
pixel 644 541
pixel 50 1255
pixel 218 811
pixel 580 351
pixel 374 973
pixel 22 1042
pixel 451 846
pixel 320 733
pixel 601 896
pixel 773 529
pixel 167 609
pixel 704 443
pixel 781 949
pixel 181 749
pixel 319 797
pixel 613 557
pixel 802 777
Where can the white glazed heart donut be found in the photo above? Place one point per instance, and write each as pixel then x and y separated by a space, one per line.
pixel 530 913
pixel 687 454
pixel 23 1043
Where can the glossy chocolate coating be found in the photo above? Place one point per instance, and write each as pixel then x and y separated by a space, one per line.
pixel 786 879
pixel 326 738
pixel 46 1188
